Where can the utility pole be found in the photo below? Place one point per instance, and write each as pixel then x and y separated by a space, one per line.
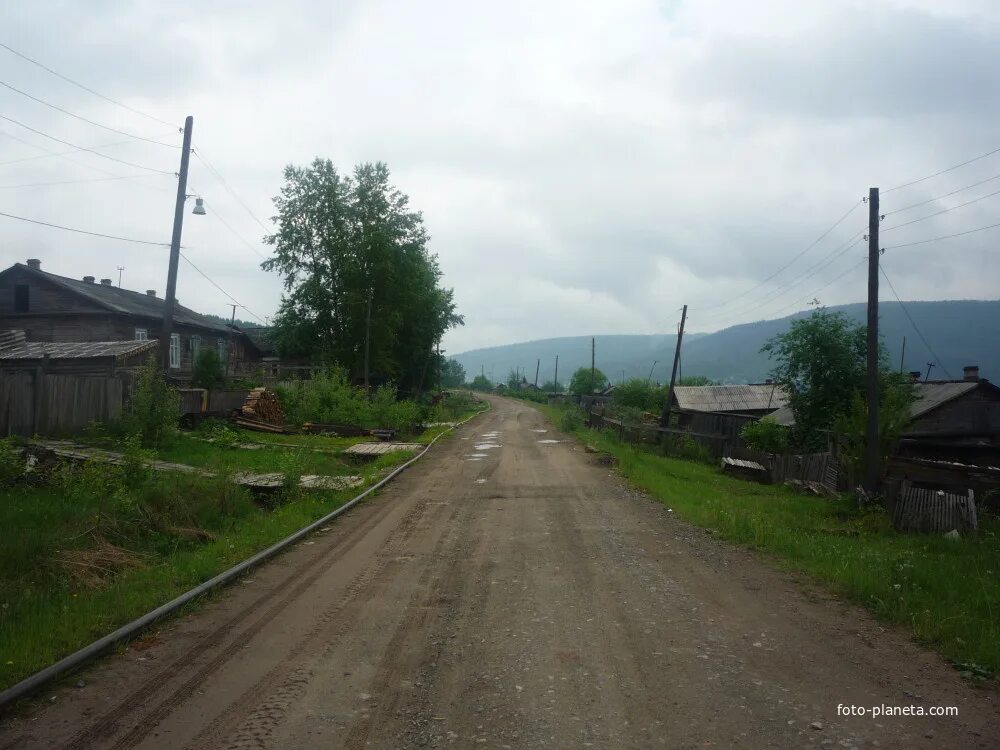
pixel 872 458
pixel 902 356
pixel 437 362
pixel 665 417
pixel 538 364
pixel 592 377
pixel 229 346
pixel 930 366
pixel 120 269
pixel 170 301
pixel 368 336
pixel 556 381
pixel 650 376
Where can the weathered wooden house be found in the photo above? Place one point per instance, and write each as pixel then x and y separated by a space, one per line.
pixel 51 308
pixel 101 358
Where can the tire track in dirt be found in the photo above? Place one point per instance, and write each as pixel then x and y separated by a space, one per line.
pixel 250 720
pixel 422 609
pixel 107 725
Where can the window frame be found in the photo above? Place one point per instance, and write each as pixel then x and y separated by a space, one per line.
pixel 195 347
pixel 175 351
pixel 142 334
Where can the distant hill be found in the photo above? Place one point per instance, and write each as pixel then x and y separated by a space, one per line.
pixel 960 332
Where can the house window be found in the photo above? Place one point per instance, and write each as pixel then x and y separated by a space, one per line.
pixel 195 347
pixel 21 298
pixel 175 350
pixel 222 349
pixel 142 334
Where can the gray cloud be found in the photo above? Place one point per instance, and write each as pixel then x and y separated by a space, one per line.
pixel 582 167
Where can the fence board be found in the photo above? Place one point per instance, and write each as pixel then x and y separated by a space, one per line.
pixel 66 404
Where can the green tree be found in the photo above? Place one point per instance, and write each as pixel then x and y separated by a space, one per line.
pixel 452 374
pixel 153 409
pixel 582 383
pixel 820 360
pixel 550 386
pixel 765 435
pixel 208 369
pixel 637 393
pixel 896 397
pixel 344 243
pixel 514 379
pixel 481 383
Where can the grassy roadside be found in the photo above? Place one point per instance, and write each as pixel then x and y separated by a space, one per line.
pixel 946 592
pixel 98 546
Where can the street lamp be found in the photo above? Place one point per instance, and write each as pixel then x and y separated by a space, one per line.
pixel 199 207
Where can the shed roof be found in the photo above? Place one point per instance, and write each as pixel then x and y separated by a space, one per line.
pixel 75 350
pixel 126 301
pixel 735 398
pixel 929 396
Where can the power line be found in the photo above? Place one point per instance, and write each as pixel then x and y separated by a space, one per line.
pixel 942 237
pixel 215 212
pixel 829 283
pixel 85 88
pixel 84 119
pixel 943 171
pixel 84 231
pixel 210 281
pixel 48 153
pixel 72 182
pixel 811 245
pixel 942 211
pixel 84 148
pixel 913 323
pixel 204 160
pixel 946 195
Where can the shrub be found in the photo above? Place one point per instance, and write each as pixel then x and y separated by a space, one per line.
pixel 571 420
pixel 682 446
pixel 386 411
pixel 637 393
pixel 11 463
pixel 766 436
pixel 154 409
pixel 208 369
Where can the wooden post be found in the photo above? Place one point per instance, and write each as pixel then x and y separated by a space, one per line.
pixel 170 299
pixel 556 381
pixel 902 356
pixel 538 364
pixel 368 336
pixel 872 457
pixel 592 376
pixel 665 417
pixel 650 376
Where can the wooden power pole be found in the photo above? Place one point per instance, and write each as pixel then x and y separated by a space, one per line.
pixel 665 417
pixel 170 299
pixel 592 378
pixel 368 337
pixel 538 364
pixel 872 457
pixel 556 381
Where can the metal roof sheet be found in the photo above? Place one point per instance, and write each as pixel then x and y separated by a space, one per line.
pixel 736 398
pixel 75 349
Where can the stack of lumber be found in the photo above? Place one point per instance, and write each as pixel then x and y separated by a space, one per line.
pixel 263 406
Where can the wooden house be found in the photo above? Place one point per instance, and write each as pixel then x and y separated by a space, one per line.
pixel 57 309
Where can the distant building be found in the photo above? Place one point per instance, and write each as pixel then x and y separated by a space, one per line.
pixel 57 309
pixel 755 399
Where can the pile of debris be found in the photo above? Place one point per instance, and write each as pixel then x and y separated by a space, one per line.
pixel 261 411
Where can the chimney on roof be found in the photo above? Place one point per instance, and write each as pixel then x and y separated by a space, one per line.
pixel 769 381
pixel 88 279
pixel 150 292
pixel 105 282
pixel 35 263
pixel 970 372
pixel 915 376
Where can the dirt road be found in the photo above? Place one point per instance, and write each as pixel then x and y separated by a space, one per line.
pixel 509 592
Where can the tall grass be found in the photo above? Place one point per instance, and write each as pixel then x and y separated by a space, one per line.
pixel 947 592
pixel 329 398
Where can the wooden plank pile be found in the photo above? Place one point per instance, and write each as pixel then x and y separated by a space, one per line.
pixel 261 411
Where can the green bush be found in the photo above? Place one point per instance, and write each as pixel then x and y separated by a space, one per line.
pixel 209 371
pixel 682 446
pixel 637 393
pixel 329 398
pixel 571 420
pixel 766 436
pixel 154 409
pixel 11 463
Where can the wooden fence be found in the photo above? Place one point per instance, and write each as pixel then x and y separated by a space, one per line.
pixel 33 403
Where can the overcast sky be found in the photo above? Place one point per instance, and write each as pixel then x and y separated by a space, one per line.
pixel 583 167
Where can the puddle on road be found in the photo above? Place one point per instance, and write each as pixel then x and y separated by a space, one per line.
pixel 486 446
pixel 539 430
pixel 547 442
pixel 480 481
pixel 477 455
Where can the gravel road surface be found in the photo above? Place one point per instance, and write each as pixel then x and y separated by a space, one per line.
pixel 510 592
